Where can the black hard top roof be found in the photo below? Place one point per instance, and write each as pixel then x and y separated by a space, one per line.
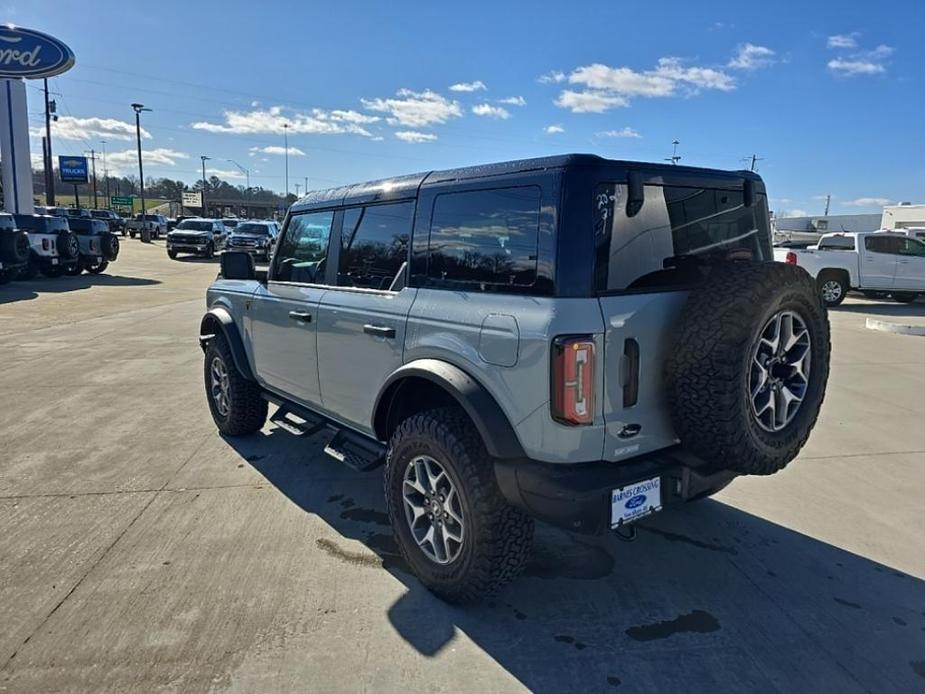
pixel 405 187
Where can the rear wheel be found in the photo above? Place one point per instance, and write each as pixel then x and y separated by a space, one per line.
pixel 75 269
pixel 98 268
pixel 833 288
pixel 234 401
pixel 452 524
pixel 904 297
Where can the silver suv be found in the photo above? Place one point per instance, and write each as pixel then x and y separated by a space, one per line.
pixel 570 339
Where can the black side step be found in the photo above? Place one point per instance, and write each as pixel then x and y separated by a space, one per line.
pixel 356 451
pixel 286 419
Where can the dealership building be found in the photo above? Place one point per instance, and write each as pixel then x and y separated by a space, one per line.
pixel 903 216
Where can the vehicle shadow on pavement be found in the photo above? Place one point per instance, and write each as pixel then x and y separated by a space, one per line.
pixel 707 598
pixel 916 309
pixel 26 290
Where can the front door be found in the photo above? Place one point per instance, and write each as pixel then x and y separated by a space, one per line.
pixel 878 265
pixel 361 320
pixel 910 266
pixel 284 313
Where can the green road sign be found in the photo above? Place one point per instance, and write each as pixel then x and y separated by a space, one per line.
pixel 121 200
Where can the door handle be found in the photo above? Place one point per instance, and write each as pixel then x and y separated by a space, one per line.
pixel 303 316
pixel 379 330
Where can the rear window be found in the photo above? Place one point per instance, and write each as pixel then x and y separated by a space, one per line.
pixel 485 239
pixel 836 243
pixel 678 224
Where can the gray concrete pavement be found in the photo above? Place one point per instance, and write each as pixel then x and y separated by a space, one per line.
pixel 140 551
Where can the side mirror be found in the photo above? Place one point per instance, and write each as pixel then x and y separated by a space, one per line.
pixel 238 265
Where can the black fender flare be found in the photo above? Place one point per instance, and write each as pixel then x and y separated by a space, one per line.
pixel 218 319
pixel 489 419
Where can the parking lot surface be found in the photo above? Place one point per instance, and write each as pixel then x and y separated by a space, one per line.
pixel 140 551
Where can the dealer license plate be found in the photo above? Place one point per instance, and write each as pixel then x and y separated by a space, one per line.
pixel 634 501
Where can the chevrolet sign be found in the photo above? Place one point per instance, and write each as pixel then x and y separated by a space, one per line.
pixel 73 169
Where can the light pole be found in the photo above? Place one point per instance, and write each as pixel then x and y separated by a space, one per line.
pixel 286 148
pixel 92 154
pixel 106 176
pixel 297 186
pixel 205 211
pixel 141 171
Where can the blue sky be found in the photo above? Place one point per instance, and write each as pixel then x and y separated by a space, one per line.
pixel 832 98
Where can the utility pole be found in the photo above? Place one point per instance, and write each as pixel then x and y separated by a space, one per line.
pixel 106 175
pixel 286 148
pixel 50 108
pixel 675 157
pixel 93 171
pixel 828 199
pixel 306 185
pixel 141 172
pixel 204 158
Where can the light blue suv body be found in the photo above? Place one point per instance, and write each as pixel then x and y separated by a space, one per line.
pixel 537 300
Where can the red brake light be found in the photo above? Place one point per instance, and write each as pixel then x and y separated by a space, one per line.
pixel 572 396
pixel 791 258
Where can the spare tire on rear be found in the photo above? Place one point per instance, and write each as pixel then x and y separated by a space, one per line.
pixel 110 245
pixel 14 246
pixel 68 245
pixel 749 366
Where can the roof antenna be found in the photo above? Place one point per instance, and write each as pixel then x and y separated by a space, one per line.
pixel 675 157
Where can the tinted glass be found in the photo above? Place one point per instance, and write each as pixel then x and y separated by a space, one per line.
pixel 913 247
pixel 883 244
pixel 304 248
pixel 675 223
pixel 250 228
pixel 100 214
pixel 374 244
pixel 485 237
pixel 230 223
pixel 190 225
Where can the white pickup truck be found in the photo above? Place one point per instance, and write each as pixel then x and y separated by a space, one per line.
pixel 877 263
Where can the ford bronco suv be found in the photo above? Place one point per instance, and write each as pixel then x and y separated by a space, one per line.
pixel 571 339
pixel 98 245
pixel 14 248
pixel 54 247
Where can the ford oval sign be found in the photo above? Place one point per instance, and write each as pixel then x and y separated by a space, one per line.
pixel 31 54
pixel 636 501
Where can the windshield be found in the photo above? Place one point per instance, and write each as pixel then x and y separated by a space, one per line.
pixel 675 221
pixel 230 223
pixel 193 225
pixel 100 214
pixel 152 218
pixel 251 228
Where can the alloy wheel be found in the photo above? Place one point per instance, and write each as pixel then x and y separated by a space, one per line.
pixel 780 368
pixel 433 510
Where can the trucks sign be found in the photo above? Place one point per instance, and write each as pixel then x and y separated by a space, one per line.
pixel 31 54
pixel 73 169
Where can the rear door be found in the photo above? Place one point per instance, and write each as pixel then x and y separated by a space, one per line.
pixel 283 315
pixel 878 266
pixel 362 319
pixel 910 266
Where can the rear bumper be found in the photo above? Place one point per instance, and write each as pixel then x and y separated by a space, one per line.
pixel 577 496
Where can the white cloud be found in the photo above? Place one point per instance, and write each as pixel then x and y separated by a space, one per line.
pixel 513 101
pixel 843 40
pixel 226 173
pixel 849 68
pixel 623 132
pixel 590 101
pixel 861 62
pixel 795 212
pixel 491 111
pixel 868 202
pixel 554 77
pixel 751 57
pixel 554 129
pixel 271 121
pixel 415 109
pixel 273 149
pixel 608 87
pixel 71 128
pixel 127 160
pixel 477 86
pixel 415 136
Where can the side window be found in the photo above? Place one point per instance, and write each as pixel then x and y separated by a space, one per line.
pixel 912 247
pixel 303 249
pixel 374 244
pixel 883 244
pixel 485 238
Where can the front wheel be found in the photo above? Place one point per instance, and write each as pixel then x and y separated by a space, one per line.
pixel 452 524
pixel 234 401
pixel 132 233
pixel 172 254
pixel 904 297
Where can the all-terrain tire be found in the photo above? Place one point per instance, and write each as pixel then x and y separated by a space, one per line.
pixel 75 269
pixel 110 244
pixel 247 410
pixel 832 286
pixel 14 246
pixel 172 254
pixel 904 297
pixel 97 269
pixel 709 370
pixel 497 536
pixel 68 245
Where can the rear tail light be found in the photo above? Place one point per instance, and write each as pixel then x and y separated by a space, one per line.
pixel 44 244
pixel 572 396
pixel 791 258
pixel 92 245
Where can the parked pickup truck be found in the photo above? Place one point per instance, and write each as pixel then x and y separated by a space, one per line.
pixel 152 225
pixel 877 262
